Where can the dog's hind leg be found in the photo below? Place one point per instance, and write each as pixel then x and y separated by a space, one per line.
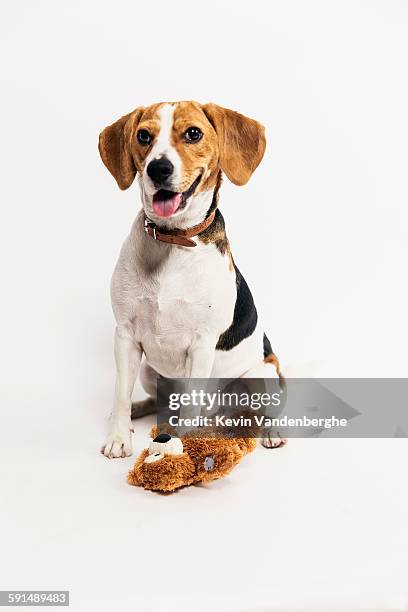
pixel 269 368
pixel 273 441
pixel 143 407
pixel 148 379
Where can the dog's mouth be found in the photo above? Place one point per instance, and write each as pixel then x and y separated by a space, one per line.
pixel 166 203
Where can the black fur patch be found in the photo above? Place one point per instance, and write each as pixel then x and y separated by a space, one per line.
pixel 267 346
pixel 245 317
pixel 216 233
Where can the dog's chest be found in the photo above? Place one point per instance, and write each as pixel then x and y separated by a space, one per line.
pixel 176 303
pixel 190 294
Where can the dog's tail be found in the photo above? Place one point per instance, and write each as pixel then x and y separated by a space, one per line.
pixel 269 355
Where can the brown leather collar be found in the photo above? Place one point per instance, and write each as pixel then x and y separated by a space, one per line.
pixel 178 236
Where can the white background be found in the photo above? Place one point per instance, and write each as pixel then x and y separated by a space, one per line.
pixel 320 233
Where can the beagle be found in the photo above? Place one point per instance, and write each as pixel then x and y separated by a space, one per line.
pixel 179 300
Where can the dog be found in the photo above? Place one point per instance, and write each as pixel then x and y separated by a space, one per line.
pixel 182 307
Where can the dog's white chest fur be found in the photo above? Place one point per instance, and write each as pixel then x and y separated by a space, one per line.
pixel 168 298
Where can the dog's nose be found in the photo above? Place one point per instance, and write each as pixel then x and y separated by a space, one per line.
pixel 159 170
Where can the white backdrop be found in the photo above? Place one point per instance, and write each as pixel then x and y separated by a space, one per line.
pixel 326 260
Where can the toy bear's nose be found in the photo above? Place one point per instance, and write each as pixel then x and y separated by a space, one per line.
pixel 162 438
pixel 166 445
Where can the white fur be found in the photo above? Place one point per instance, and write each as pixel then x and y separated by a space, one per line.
pixel 162 148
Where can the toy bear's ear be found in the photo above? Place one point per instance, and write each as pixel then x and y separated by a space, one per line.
pixel 153 432
pixel 115 148
pixel 241 142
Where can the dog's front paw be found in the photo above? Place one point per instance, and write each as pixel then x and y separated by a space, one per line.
pixel 118 444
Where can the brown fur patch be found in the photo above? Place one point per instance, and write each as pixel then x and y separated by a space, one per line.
pixel 272 358
pixel 150 121
pixel 115 151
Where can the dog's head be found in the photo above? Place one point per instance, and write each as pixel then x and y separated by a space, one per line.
pixel 178 150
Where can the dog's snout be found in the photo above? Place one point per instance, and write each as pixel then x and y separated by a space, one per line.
pixel 159 170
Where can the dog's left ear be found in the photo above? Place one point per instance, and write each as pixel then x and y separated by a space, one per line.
pixel 115 150
pixel 241 142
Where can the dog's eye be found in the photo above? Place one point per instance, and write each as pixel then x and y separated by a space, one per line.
pixel 193 134
pixel 144 137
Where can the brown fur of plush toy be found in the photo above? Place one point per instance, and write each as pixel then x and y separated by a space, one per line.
pixel 203 459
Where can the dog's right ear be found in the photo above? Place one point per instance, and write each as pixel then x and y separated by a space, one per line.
pixel 115 148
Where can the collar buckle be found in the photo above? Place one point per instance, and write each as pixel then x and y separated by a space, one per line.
pixel 152 226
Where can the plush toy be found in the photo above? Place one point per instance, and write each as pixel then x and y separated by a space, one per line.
pixel 170 463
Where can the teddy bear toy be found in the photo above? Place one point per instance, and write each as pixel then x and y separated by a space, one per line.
pixel 170 463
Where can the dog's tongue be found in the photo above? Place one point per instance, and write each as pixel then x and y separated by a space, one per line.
pixel 165 205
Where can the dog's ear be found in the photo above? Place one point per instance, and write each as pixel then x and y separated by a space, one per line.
pixel 115 149
pixel 241 142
